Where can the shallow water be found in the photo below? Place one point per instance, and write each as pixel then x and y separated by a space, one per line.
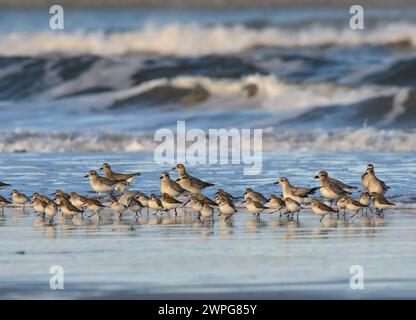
pixel 160 257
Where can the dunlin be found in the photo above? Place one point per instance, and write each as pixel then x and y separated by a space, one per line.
pixel 276 203
pixel 94 205
pixel 170 203
pixel 254 207
pixel 292 207
pixel 155 204
pixel 68 209
pixel 321 208
pixel 381 203
pixel 19 198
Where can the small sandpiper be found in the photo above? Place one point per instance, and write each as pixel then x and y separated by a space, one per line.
pixel 292 207
pixel 254 207
pixel 115 176
pixel 170 187
pixel 226 207
pixel 365 200
pixel 329 190
pixel 4 185
pixel 254 195
pixel 126 197
pixel 94 205
pixel 38 205
pixel 276 203
pixel 225 194
pixel 144 200
pixel 19 198
pixel 60 193
pixel 352 205
pixel 3 203
pixel 51 210
pixel 207 212
pixel 117 207
pixel 135 206
pixel 299 194
pixel 170 203
pixel 182 172
pixel 381 203
pixel 339 183
pixel 155 204
pixel 196 205
pixel 78 200
pixel 68 209
pixel 321 208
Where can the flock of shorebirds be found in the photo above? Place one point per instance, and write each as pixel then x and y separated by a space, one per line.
pixel 186 191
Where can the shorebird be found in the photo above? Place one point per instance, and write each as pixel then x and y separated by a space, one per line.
pixel 226 207
pixel 206 212
pixel 189 184
pixel 276 203
pixel 51 210
pixel 144 200
pixel 254 207
pixel 365 200
pixel 365 177
pixel 182 173
pixel 170 187
pixel 374 184
pixel 328 189
pixel 341 204
pixel 352 205
pixel 155 204
pixel 117 207
pixel 3 203
pixel 135 206
pixel 4 185
pixel 19 198
pixel 196 205
pixel 60 193
pixel 292 207
pixel 204 199
pixel 256 196
pixel 225 194
pixel 38 205
pixel 110 174
pixel 339 183
pixel 170 203
pixel 94 205
pixel 321 208
pixel 299 194
pixel 381 203
pixel 68 209
pixel 100 184
pixel 127 197
pixel 78 200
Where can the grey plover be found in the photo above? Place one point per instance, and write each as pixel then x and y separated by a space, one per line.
pixel 299 194
pixel 110 174
pixel 329 190
pixel 182 172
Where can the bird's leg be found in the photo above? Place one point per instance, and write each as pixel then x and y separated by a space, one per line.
pixel 176 213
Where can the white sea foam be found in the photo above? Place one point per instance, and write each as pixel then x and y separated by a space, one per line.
pixel 194 39
pixel 271 93
pixel 360 140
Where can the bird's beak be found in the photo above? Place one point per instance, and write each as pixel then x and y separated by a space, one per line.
pixel 316 177
pixel 174 168
pixel 277 182
pixel 160 178
pixel 101 168
pixel 244 201
pixel 86 176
